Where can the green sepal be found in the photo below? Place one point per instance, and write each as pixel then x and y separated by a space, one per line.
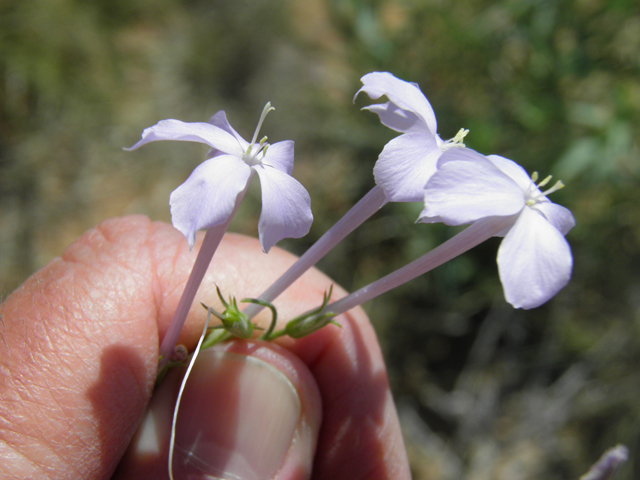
pixel 305 324
pixel 233 320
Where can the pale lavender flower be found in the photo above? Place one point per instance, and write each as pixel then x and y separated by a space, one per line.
pixel 207 198
pixel 407 162
pixel 534 259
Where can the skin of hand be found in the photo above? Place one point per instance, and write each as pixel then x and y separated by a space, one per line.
pixel 79 352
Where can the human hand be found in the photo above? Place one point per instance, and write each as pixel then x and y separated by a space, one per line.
pixel 79 353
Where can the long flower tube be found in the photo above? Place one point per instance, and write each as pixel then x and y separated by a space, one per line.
pixel 470 237
pixel 210 244
pixel 361 211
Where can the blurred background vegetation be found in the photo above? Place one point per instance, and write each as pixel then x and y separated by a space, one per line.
pixel 484 391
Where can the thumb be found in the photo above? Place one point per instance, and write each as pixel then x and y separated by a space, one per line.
pixel 250 411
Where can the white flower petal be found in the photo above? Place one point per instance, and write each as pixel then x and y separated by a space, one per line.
pixel 513 170
pixel 405 95
pixel 534 261
pixel 558 216
pixel 191 132
pixel 208 196
pixel 219 119
pixel 286 207
pixel 468 187
pixel 405 165
pixel 280 156
pixel 395 118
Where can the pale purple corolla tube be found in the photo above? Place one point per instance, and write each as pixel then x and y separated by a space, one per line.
pixel 361 211
pixel 607 465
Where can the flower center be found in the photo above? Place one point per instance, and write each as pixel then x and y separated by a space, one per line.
pixel 455 141
pixel 255 153
pixel 533 194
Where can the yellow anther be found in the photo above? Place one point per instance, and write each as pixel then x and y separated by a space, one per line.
pixel 555 188
pixel 460 136
pixel 545 181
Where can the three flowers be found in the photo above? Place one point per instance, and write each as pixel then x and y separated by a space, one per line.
pixel 457 185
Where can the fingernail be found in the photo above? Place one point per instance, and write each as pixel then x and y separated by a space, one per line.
pixel 237 419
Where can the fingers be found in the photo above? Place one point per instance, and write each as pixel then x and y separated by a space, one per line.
pixel 81 353
pixel 79 362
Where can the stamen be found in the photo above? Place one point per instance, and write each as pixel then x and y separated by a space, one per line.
pixel 251 158
pixel 267 108
pixel 555 188
pixel 455 141
pixel 545 181
pixel 535 198
pixel 460 136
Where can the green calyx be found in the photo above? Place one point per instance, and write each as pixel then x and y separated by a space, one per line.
pixel 237 324
pixel 233 320
pixel 305 324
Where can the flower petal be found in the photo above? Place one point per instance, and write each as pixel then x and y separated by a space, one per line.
pixel 513 170
pixel 468 187
pixel 208 196
pixel 191 132
pixel 405 165
pixel 558 216
pixel 280 156
pixel 407 96
pixel 220 120
pixel 286 207
pixel 396 118
pixel 534 261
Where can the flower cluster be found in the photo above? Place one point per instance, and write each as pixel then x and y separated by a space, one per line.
pixel 457 185
pixel 460 186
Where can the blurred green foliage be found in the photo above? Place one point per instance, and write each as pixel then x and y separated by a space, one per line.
pixel 484 391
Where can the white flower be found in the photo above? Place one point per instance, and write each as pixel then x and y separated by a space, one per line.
pixel 407 162
pixel 534 259
pixel 207 198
